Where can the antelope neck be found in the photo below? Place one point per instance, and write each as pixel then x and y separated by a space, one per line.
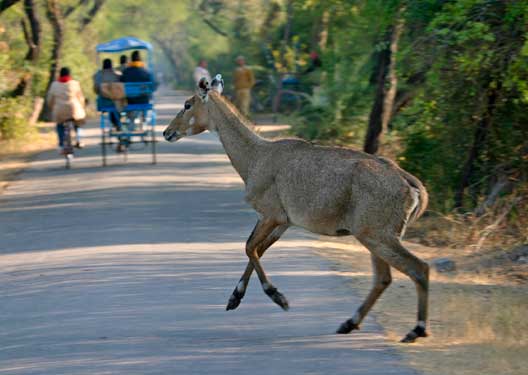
pixel 240 142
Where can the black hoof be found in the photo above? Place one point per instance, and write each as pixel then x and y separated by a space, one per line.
pixel 277 297
pixel 347 327
pixel 234 300
pixel 411 337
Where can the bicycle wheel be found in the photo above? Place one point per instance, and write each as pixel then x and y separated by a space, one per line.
pixel 103 147
pixel 67 148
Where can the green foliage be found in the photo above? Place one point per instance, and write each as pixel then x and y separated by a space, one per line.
pixel 13 117
pixel 477 48
pixel 462 64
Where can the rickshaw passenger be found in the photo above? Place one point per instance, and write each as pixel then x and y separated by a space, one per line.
pixel 123 62
pixel 107 75
pixel 136 72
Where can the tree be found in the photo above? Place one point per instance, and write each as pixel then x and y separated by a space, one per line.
pixel 32 38
pixel 6 4
pixel 384 77
pixel 55 18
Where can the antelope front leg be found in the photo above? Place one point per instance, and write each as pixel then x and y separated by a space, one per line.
pixel 262 230
pixel 240 289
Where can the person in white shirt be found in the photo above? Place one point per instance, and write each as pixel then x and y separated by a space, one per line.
pixel 201 71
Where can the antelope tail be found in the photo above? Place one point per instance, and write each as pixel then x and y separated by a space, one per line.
pixel 423 197
pixel 415 183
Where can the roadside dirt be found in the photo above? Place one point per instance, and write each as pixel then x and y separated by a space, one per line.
pixel 15 155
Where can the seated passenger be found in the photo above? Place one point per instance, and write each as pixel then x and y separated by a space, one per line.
pixel 136 72
pixel 123 62
pixel 107 75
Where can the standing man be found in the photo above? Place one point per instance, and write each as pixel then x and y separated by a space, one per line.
pixel 243 81
pixel 201 71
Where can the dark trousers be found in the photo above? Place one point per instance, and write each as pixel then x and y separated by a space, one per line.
pixel 115 119
pixel 60 133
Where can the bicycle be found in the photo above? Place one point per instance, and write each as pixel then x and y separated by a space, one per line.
pixel 67 146
pixel 280 94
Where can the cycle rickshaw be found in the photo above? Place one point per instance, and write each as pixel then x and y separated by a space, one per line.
pixel 138 121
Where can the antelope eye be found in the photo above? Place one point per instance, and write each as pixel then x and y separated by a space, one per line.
pixel 187 105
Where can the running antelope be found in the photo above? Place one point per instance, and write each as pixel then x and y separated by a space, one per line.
pixel 331 191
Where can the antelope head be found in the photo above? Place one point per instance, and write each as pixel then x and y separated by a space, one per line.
pixel 194 117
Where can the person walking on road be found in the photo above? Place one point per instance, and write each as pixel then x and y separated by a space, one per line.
pixel 244 81
pixel 201 71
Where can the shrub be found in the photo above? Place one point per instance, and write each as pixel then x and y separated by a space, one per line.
pixel 14 114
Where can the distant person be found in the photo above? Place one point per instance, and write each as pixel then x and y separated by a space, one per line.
pixel 315 62
pixel 136 72
pixel 107 75
pixel 312 77
pixel 244 81
pixel 123 63
pixel 66 102
pixel 201 71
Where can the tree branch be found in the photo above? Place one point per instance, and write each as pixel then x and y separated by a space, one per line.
pixel 32 35
pixel 96 7
pixel 68 11
pixel 5 4
pixel 214 27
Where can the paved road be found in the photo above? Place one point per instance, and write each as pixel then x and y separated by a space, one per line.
pixel 127 270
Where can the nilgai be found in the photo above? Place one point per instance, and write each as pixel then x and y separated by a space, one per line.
pixel 332 191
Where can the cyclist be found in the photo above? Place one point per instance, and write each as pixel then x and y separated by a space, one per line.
pixel 66 102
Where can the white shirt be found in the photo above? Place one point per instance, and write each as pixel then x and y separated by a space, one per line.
pixel 200 72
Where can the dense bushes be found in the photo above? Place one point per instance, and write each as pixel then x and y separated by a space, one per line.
pixel 14 114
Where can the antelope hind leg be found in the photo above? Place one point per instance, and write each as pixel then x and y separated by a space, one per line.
pixel 382 279
pixel 240 289
pixel 392 251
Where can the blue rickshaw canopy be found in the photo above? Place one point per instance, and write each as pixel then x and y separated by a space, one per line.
pixel 123 44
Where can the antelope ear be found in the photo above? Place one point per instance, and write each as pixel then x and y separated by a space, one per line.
pixel 218 84
pixel 203 89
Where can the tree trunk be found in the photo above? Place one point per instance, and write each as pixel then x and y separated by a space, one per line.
pixel 323 35
pixel 32 37
pixel 390 95
pixel 90 15
pixel 69 10
pixel 379 76
pixel 5 4
pixel 479 138
pixel 384 73
pixel 287 31
pixel 54 15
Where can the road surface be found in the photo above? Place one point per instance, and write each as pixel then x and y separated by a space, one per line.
pixel 127 270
